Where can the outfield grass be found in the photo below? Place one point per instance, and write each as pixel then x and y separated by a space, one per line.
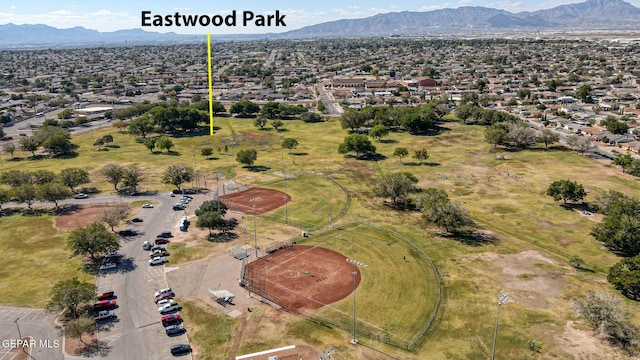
pixel 209 330
pixel 34 258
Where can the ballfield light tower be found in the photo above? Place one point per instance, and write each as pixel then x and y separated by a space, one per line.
pixel 356 265
pixel 502 297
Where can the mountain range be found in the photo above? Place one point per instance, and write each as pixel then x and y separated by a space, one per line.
pixel 589 15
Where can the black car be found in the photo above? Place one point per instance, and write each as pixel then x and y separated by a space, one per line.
pixel 180 349
pixel 165 234
pixel 174 329
pixel 128 232
pixel 137 219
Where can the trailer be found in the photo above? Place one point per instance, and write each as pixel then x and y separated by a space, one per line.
pixel 222 297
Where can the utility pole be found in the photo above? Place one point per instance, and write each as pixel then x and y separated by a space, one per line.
pixel 502 297
pixel 255 229
pixel 356 265
pixel 284 176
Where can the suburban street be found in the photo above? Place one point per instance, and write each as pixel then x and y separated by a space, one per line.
pixel 332 105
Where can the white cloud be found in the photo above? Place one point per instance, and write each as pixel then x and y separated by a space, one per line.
pixel 102 20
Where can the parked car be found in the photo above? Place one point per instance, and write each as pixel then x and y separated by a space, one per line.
pixel 165 234
pixel 108 266
pixel 184 201
pixel 164 302
pixel 105 314
pixel 104 304
pixel 137 219
pixel 160 241
pixel 164 296
pixel 80 196
pixel 174 329
pixel 171 194
pixel 114 255
pixel 170 319
pixel 157 247
pixel 179 206
pixel 162 291
pixel 146 245
pixel 159 260
pixel 169 308
pixel 190 191
pixel 105 295
pixel 128 232
pixel 147 206
pixel 187 197
pixel 178 349
pixel 156 253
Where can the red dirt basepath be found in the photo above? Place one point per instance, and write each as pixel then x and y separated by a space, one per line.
pixel 264 199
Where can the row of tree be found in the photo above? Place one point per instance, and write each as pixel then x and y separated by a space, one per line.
pixel 28 186
pixel 416 120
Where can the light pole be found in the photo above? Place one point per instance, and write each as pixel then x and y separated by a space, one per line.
pixel 502 297
pixel 330 212
pixel 18 326
pixel 284 176
pixel 194 169
pixel 356 265
pixel 246 229
pixel 255 233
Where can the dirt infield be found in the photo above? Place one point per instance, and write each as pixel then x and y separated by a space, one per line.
pixel 303 279
pixel 265 200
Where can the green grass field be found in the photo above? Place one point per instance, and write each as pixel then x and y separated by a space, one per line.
pixel 504 197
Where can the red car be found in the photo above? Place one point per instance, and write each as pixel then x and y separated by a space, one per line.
pixel 170 319
pixel 104 304
pixel 105 295
pixel 162 241
pixel 167 295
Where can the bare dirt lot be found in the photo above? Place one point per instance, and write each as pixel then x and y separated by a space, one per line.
pixel 303 279
pixel 78 216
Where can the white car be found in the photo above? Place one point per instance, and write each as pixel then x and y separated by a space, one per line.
pixel 147 206
pixel 164 302
pixel 106 314
pixel 171 194
pixel 162 291
pixel 169 308
pixel 108 266
pixel 158 260
pixel 80 196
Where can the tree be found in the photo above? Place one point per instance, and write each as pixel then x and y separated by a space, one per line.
pixel 113 215
pixel 247 156
pixel 619 230
pixel 5 197
pixel 566 190
pixel 218 108
pixel 277 124
pixel 400 152
pixel 30 144
pixel 26 193
pixel 113 173
pixel 576 261
pixel 549 136
pixel 359 143
pixel 496 135
pixel 73 177
pixel 623 161
pixel 107 139
pixel 579 143
pixel 16 178
pixel 132 177
pixel 244 108
pixel 378 132
pixel 585 93
pixel 99 142
pixel 617 127
pixel 520 135
pixel 164 143
pixel 352 119
pixel 210 206
pixel 10 148
pixel 65 114
pixel 141 126
pixel 206 151
pixel 311 117
pixel 625 277
pixel 40 177
pixel 67 295
pixel 210 220
pixel 321 107
pixel 260 122
pixel 177 175
pixel 431 198
pixel 271 110
pixel 77 327
pixel 421 155
pixel 92 240
pixel 289 143
pixel 396 186
pixel 150 143
pixel 450 216
pixel 53 192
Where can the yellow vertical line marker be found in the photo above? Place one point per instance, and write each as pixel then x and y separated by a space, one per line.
pixel 210 84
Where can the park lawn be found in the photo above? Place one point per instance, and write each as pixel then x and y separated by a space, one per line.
pixel 210 331
pixel 34 259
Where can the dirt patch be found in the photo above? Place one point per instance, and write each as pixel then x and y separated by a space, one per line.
pixel 263 199
pixel 79 216
pixel 302 279
pixel 88 344
pixel 584 345
pixel 531 277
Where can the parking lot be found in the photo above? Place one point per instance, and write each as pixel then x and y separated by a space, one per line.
pixel 38 324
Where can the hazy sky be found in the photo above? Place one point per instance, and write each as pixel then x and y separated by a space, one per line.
pixel 111 15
